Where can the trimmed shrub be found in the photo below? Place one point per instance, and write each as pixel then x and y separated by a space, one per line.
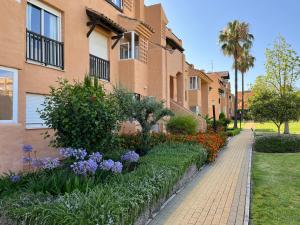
pixel 277 144
pixel 185 125
pixel 119 200
pixel 233 132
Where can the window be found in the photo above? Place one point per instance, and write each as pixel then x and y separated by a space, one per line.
pixel 194 83
pixel 43 20
pixel 130 45
pixel 195 109
pixel 34 102
pixel 43 34
pixel 117 3
pixel 8 95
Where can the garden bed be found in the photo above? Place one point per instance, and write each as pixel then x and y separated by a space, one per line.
pixel 114 199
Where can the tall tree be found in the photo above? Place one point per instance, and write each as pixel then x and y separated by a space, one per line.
pixel 234 38
pixel 245 62
pixel 283 70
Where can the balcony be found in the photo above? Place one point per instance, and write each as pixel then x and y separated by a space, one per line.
pixel 44 50
pixel 99 68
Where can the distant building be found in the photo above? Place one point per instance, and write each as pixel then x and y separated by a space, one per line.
pixel 247 95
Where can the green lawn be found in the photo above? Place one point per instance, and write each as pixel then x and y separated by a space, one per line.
pixel 270 127
pixel 276 189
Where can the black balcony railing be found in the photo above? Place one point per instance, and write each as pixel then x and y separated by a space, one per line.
pixel 99 68
pixel 44 50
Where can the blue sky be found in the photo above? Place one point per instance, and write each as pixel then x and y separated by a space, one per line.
pixel 198 22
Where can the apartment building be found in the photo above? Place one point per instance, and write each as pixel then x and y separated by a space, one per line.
pixel 220 94
pixel 247 95
pixel 122 42
pixel 198 90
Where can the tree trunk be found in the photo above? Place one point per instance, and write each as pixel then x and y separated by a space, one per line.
pixel 243 106
pixel 278 130
pixel 286 128
pixel 235 97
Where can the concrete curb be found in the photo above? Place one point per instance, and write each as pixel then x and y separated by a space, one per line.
pixel 248 191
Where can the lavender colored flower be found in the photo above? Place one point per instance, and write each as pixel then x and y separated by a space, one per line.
pixel 50 163
pixel 27 148
pixel 96 156
pixel 107 165
pixel 15 178
pixel 27 159
pixel 84 167
pixel 37 163
pixel 130 156
pixel 79 154
pixel 117 167
pixel 66 152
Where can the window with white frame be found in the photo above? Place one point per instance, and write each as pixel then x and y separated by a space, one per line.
pixel 8 95
pixel 43 35
pixel 129 46
pixel 43 20
pixel 34 103
pixel 194 83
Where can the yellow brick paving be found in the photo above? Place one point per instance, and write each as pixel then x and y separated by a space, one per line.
pixel 217 195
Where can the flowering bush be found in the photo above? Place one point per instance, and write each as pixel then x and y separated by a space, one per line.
pixel 213 142
pixel 130 156
pixel 112 200
pixel 84 167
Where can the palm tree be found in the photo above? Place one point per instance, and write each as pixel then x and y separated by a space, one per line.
pixel 234 38
pixel 244 63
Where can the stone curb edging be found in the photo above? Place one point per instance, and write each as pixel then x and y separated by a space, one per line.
pixel 175 193
pixel 248 191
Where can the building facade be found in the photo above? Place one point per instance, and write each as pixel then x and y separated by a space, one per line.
pixel 220 94
pixel 122 42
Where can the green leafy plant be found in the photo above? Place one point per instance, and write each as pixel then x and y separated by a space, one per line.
pixel 186 125
pixel 119 200
pixel 81 115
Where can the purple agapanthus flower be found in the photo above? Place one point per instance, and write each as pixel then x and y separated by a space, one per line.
pixel 130 156
pixel 84 167
pixel 66 152
pixel 107 165
pixel 27 159
pixel 117 167
pixel 37 163
pixel 50 163
pixel 15 178
pixel 78 154
pixel 96 156
pixel 27 148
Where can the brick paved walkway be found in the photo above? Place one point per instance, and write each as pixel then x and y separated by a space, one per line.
pixel 217 196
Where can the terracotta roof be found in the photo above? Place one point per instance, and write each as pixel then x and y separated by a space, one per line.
pixel 100 19
pixel 223 74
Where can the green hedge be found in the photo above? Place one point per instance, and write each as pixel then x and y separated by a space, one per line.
pixel 277 144
pixel 119 200
pixel 185 125
pixel 233 132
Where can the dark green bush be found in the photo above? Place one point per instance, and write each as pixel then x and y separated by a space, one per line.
pixel 81 115
pixel 119 200
pixel 277 144
pixel 233 132
pixel 186 125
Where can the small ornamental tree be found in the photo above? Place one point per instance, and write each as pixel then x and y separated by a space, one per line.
pixel 267 105
pixel 81 115
pixel 147 111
